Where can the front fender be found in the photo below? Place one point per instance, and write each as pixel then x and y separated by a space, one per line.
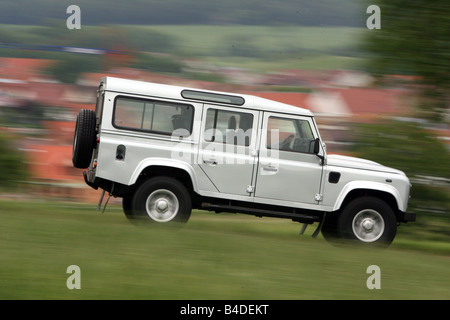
pixel 369 185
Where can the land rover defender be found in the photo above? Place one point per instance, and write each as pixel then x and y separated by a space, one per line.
pixel 166 150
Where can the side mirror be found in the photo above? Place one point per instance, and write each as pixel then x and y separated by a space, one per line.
pixel 316 146
pixel 317 149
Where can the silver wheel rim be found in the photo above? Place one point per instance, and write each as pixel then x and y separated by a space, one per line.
pixel 162 205
pixel 368 225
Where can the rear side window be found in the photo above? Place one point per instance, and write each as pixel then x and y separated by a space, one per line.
pixel 229 127
pixel 153 116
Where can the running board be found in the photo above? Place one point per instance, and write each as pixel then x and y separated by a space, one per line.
pixel 300 217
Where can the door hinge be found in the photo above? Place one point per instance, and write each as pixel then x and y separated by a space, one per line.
pixel 250 189
pixel 318 197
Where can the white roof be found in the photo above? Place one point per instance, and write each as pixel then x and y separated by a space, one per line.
pixel 151 89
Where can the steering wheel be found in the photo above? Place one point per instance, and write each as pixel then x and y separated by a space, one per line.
pixel 301 145
pixel 285 144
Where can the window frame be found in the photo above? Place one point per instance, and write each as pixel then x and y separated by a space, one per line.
pixel 216 116
pixel 297 129
pixel 154 102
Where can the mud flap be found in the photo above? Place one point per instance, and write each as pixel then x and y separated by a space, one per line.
pixel 99 205
pixel 302 231
pixel 318 229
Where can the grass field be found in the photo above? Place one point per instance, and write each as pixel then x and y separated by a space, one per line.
pixel 259 48
pixel 212 257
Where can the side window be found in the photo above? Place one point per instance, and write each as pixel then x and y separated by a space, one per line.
pixel 289 135
pixel 229 127
pixel 153 116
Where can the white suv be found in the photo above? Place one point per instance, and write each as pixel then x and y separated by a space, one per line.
pixel 166 150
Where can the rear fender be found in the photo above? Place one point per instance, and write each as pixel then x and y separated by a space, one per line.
pixel 163 162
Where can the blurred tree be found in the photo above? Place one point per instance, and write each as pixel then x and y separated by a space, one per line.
pixel 243 46
pixel 12 164
pixel 70 66
pixel 414 39
pixel 403 145
pixel 157 63
pixel 408 147
pixel 145 40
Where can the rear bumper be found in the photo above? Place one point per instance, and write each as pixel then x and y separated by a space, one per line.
pixel 90 184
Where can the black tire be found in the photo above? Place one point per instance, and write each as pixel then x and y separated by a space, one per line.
pixel 84 139
pixel 329 228
pixel 126 206
pixel 129 213
pixel 369 221
pixel 160 199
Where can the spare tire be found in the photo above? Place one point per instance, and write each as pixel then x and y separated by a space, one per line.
pixel 84 139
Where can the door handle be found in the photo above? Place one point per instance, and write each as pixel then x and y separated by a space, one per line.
pixel 270 168
pixel 211 162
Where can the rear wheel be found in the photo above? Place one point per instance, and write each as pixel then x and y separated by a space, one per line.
pixel 84 139
pixel 159 199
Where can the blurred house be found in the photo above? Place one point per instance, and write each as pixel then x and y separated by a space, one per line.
pixel 336 109
pixel 43 112
pixel 92 79
pixel 18 70
pixel 316 78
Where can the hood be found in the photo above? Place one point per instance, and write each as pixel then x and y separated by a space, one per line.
pixel 358 163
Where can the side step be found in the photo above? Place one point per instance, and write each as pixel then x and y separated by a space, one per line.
pixel 300 217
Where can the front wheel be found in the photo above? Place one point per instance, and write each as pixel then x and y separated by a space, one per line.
pixel 368 220
pixel 160 199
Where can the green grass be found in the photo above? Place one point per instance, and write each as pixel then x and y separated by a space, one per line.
pixel 212 257
pixel 204 38
pixel 259 48
pixel 263 48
